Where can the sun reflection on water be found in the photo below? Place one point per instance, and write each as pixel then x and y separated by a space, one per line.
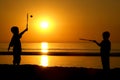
pixel 44 57
pixel 44 47
pixel 44 60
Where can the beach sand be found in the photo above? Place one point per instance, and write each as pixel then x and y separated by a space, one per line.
pixel 35 72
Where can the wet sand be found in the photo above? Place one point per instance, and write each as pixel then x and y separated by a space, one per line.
pixel 35 72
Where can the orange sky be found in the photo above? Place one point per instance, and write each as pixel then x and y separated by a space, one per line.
pixel 68 20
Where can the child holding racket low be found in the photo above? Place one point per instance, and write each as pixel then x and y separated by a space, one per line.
pixel 105 47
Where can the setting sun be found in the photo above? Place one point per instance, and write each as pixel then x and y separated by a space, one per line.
pixel 44 24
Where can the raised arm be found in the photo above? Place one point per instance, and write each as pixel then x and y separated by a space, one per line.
pixel 24 30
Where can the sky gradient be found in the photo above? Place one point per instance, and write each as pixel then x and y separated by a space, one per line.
pixel 68 20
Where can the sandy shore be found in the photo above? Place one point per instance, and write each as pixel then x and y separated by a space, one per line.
pixel 35 72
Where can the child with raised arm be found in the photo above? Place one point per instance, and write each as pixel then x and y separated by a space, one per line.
pixel 105 47
pixel 16 44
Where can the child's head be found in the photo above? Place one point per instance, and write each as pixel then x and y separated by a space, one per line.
pixel 15 30
pixel 106 35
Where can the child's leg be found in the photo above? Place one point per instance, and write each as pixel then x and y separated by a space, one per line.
pixel 18 59
pixel 105 62
pixel 14 60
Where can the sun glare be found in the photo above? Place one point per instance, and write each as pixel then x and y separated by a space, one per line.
pixel 44 25
pixel 44 47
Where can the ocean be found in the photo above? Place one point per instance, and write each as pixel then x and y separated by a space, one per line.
pixel 89 60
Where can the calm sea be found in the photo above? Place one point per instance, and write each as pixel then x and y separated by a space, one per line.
pixel 65 61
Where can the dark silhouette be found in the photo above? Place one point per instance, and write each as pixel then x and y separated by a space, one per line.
pixel 105 47
pixel 16 44
pixel 36 72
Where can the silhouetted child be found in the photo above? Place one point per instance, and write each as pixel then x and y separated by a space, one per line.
pixel 105 47
pixel 16 44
